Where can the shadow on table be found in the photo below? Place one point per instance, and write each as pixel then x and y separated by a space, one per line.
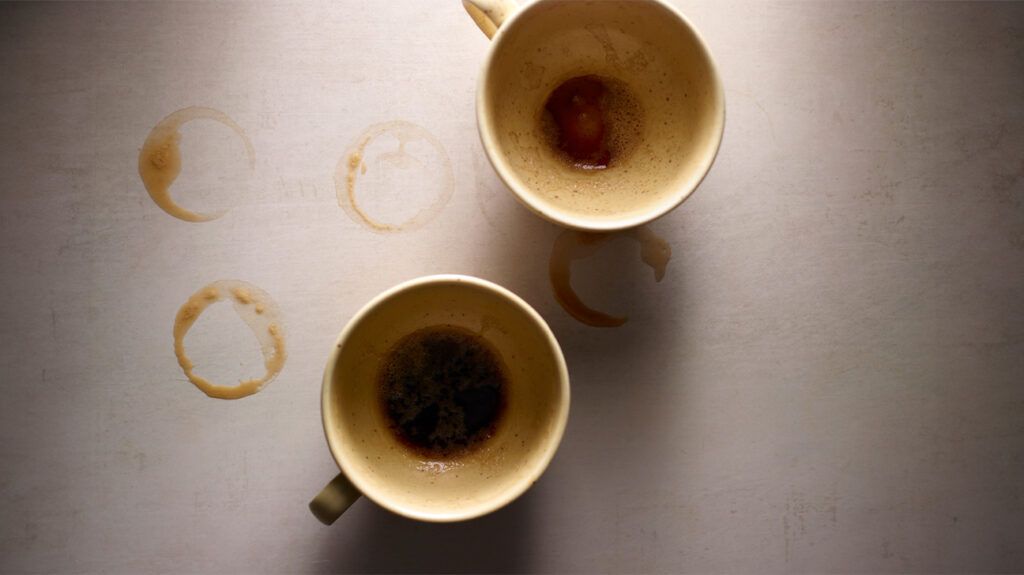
pixel 622 450
pixel 381 542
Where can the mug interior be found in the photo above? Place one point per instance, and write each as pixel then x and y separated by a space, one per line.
pixel 499 469
pixel 645 45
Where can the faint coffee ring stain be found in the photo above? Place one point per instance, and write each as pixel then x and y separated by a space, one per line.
pixel 257 310
pixel 353 164
pixel 574 245
pixel 160 158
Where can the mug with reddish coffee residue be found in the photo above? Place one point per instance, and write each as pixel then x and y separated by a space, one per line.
pixel 599 115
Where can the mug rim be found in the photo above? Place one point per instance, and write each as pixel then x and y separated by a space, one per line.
pixel 582 223
pixel 554 440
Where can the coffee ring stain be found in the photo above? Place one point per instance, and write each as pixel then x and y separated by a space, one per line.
pixel 257 310
pixel 574 245
pixel 353 165
pixel 160 158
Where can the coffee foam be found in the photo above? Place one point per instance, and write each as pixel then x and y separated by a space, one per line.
pixel 625 118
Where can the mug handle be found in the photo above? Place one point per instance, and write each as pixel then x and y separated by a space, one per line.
pixel 489 14
pixel 334 499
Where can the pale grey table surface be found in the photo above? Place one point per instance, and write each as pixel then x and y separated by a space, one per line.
pixel 829 378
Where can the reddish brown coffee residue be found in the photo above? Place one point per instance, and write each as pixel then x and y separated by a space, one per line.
pixel 160 158
pixel 592 120
pixel 257 310
pixel 572 245
pixel 576 107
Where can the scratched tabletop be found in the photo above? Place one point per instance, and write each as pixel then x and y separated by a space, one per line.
pixel 829 377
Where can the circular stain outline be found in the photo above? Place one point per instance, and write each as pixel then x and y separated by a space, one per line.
pixel 352 165
pixel 258 310
pixel 160 158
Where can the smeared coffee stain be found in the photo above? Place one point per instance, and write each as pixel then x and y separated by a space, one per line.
pixel 257 310
pixel 160 158
pixel 354 164
pixel 574 245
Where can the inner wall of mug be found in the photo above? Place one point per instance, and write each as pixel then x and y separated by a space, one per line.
pixel 660 59
pixel 501 467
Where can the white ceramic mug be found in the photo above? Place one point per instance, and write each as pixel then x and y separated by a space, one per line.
pixel 645 44
pixel 375 463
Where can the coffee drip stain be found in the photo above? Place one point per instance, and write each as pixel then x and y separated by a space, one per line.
pixel 160 158
pixel 257 310
pixel 354 165
pixel 573 245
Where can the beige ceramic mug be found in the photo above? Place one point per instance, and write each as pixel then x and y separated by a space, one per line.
pixel 375 463
pixel 646 46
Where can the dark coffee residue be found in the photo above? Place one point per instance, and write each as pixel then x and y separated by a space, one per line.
pixel 593 120
pixel 442 389
pixel 576 107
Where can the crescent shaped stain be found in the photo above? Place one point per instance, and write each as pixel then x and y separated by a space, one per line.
pixel 160 158
pixel 353 165
pixel 573 245
pixel 257 310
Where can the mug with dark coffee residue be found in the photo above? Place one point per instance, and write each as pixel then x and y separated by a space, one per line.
pixel 444 399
